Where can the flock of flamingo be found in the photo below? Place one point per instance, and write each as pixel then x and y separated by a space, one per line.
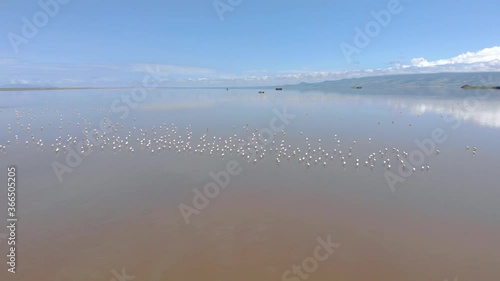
pixel 248 144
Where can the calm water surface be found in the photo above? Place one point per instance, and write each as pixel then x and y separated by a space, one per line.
pixel 117 208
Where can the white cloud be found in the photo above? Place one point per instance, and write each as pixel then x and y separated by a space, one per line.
pixel 169 69
pixel 19 82
pixel 19 72
pixel 487 56
pixel 486 60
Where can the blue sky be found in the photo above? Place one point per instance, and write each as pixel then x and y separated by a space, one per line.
pixel 110 43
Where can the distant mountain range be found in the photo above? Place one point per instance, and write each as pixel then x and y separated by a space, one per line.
pixel 407 81
pixel 435 82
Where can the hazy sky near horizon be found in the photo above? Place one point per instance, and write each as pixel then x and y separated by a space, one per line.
pixel 241 42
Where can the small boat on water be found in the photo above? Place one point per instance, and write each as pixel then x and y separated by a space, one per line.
pixel 261 92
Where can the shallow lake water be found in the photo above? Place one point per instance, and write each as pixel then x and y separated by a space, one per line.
pixel 209 184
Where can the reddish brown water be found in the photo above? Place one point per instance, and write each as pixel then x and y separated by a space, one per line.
pixel 119 211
